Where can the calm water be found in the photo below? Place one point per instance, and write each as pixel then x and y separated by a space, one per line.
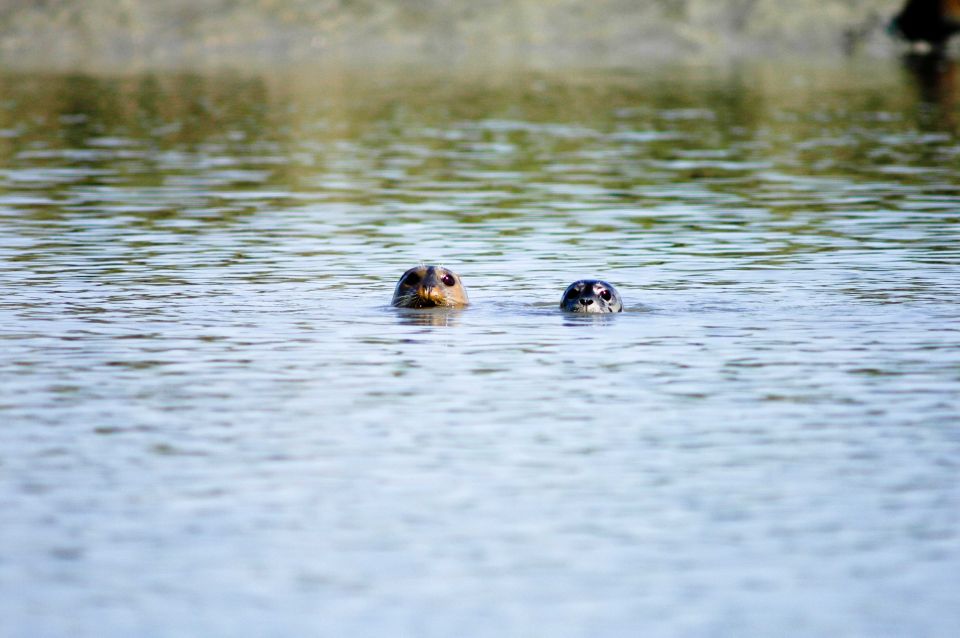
pixel 213 424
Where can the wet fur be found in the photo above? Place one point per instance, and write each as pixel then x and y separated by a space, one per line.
pixel 429 278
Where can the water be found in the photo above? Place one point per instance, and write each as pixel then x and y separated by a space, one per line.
pixel 215 425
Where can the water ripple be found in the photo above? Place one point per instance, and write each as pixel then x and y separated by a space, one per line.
pixel 211 412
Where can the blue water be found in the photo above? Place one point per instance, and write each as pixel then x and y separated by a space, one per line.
pixel 214 424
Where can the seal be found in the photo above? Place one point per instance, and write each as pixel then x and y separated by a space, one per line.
pixel 429 287
pixel 591 295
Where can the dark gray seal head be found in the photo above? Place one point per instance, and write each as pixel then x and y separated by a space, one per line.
pixel 429 287
pixel 591 295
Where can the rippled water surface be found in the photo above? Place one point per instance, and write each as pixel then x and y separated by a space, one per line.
pixel 214 424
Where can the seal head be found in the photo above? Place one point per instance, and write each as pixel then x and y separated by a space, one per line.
pixel 591 295
pixel 429 287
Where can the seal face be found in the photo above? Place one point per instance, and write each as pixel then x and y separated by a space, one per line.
pixel 591 295
pixel 429 287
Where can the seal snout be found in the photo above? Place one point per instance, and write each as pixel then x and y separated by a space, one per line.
pixel 430 294
pixel 585 302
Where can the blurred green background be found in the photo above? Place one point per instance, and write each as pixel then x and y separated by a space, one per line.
pixel 540 33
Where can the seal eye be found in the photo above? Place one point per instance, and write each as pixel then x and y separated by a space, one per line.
pixel 605 294
pixel 412 279
pixel 448 280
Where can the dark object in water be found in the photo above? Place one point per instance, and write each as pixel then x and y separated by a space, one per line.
pixel 930 21
pixel 591 295
pixel 429 287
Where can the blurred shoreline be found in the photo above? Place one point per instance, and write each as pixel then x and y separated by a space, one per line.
pixel 541 34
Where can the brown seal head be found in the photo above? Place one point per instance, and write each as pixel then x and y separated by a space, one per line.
pixel 429 287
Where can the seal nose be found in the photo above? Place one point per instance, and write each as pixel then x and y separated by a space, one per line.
pixel 585 302
pixel 428 292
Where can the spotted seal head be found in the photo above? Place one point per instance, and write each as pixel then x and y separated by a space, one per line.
pixel 591 295
pixel 429 287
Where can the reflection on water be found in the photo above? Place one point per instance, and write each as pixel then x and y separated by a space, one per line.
pixel 428 317
pixel 211 412
pixel 936 80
